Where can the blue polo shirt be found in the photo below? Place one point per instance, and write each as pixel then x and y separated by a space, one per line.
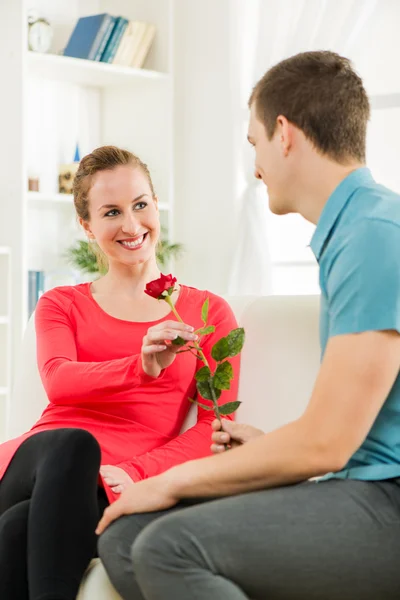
pixel 357 246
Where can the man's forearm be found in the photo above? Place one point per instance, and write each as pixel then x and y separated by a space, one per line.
pixel 287 455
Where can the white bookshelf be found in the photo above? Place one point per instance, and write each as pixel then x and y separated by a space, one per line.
pixel 5 336
pixel 88 72
pixel 54 102
pixel 40 199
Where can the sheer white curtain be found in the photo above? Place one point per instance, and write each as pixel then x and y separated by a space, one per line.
pixel 251 269
pixel 251 265
pixel 267 32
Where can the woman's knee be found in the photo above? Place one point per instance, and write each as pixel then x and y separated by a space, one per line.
pixel 75 444
pixel 14 525
pixel 70 453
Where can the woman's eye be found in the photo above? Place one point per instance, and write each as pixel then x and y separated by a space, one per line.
pixel 111 213
pixel 140 205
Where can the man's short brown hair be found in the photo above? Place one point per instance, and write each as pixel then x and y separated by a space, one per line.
pixel 322 95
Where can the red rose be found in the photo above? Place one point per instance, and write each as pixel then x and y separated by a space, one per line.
pixel 156 288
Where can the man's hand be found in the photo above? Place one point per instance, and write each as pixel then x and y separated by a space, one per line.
pixel 233 434
pixel 116 478
pixel 148 495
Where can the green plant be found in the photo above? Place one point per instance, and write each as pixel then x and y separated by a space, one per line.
pixel 82 256
pixel 165 251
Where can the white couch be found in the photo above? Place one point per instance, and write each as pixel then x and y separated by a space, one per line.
pixel 280 360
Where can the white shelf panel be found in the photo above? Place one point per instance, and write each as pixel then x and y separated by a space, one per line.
pixel 87 72
pixel 4 391
pixel 4 250
pixel 39 198
pixel 4 320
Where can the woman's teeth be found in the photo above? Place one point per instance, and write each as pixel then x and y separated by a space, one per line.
pixel 134 244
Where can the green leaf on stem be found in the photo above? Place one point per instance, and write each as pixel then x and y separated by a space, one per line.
pixel 229 408
pixel 179 341
pixel 204 311
pixel 220 350
pixel 171 290
pixel 223 376
pixel 236 341
pixel 204 406
pixel 203 374
pixel 205 330
pixel 204 389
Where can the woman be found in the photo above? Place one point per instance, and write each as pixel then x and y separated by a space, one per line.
pixel 118 395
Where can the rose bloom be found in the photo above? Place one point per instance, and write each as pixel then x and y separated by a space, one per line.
pixel 156 288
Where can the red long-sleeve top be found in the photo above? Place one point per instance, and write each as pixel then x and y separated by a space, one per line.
pixel 91 370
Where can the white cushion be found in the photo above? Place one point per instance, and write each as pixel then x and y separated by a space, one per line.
pixel 28 396
pixel 96 584
pixel 280 361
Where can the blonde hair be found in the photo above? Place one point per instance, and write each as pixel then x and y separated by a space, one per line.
pixel 102 159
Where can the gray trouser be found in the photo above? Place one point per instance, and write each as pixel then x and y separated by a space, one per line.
pixel 333 540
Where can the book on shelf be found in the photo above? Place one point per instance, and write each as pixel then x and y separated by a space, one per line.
pixel 113 40
pixel 112 45
pixel 135 44
pixel 40 282
pixel 144 47
pixel 90 36
pixel 122 55
pixel 105 38
pixel 36 287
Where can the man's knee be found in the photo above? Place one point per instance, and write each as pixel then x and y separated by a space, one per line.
pixel 114 548
pixel 156 544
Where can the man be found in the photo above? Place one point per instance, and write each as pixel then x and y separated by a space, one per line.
pixel 271 533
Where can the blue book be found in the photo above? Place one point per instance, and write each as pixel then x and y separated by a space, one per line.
pixel 117 22
pixel 114 41
pixel 36 285
pixel 105 39
pixel 87 36
pixel 31 292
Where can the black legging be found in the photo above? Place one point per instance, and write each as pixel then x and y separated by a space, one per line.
pixel 50 504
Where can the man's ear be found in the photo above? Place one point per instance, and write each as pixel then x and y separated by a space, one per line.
pixel 285 133
pixel 86 228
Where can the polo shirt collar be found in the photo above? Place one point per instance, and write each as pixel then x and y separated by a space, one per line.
pixel 334 206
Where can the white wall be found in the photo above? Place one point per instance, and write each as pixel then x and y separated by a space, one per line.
pixel 383 146
pixel 206 150
pixel 12 214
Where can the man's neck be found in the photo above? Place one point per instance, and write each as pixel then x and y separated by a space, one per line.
pixel 317 185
